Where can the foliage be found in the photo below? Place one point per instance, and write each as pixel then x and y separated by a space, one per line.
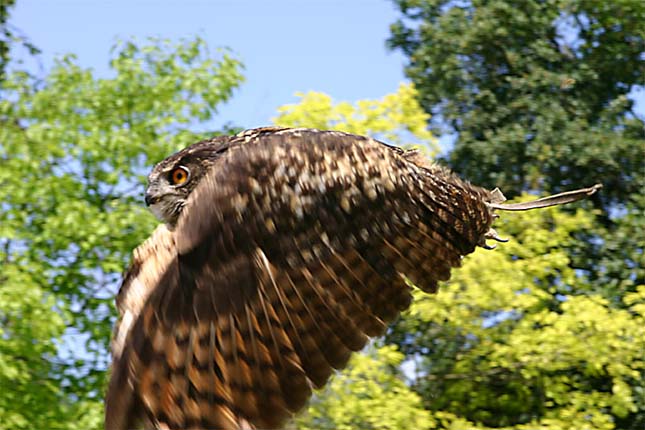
pixel 537 94
pixel 510 343
pixel 536 90
pixel 369 395
pixel 397 118
pixel 74 152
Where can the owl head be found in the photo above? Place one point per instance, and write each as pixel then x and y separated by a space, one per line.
pixel 172 180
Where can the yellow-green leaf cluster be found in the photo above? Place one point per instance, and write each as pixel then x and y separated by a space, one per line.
pixel 530 346
pixel 397 118
pixel 369 394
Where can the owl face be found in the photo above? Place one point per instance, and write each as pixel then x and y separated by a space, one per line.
pixel 170 183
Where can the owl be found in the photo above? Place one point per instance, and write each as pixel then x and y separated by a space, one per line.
pixel 281 252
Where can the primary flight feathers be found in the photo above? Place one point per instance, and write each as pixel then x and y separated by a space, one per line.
pixel 282 251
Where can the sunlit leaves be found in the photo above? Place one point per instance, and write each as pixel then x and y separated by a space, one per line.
pixel 369 394
pixel 397 118
pixel 516 340
pixel 74 151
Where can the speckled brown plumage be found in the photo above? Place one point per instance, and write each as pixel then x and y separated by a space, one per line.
pixel 287 249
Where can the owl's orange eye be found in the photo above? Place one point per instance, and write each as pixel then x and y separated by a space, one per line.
pixel 179 176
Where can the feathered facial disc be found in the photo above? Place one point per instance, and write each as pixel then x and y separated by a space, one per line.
pixel 171 182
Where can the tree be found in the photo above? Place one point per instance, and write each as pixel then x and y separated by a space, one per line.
pixel 530 89
pixel 74 153
pixel 537 94
pixel 509 343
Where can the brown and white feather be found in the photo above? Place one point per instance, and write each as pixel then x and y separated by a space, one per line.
pixel 292 249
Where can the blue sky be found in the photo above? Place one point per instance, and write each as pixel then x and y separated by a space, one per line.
pixel 337 47
pixel 333 46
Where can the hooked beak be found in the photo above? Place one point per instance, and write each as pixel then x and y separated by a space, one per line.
pixel 152 196
pixel 149 199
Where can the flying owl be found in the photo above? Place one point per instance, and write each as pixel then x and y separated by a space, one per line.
pixel 282 251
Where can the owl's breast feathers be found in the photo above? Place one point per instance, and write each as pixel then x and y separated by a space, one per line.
pixel 295 248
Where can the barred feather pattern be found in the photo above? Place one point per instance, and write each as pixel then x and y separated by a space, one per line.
pixel 293 249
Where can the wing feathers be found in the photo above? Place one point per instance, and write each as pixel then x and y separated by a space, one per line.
pixel 350 300
pixel 287 312
pixel 335 352
pixel 292 250
pixel 291 379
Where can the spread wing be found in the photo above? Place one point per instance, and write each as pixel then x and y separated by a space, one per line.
pixel 295 247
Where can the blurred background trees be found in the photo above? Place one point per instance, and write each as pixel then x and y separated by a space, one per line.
pixel 546 332
pixel 75 151
pixel 5 35
pixel 535 94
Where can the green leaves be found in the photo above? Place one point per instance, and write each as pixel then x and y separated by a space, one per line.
pixel 536 93
pixel 74 154
pixel 530 89
pixel 397 118
pixel 368 394
pixel 513 341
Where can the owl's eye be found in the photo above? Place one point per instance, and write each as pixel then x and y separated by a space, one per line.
pixel 179 176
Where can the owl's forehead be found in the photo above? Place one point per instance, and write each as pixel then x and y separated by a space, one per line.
pixel 164 166
pixel 198 151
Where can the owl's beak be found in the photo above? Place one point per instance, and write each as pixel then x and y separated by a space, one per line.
pixel 150 199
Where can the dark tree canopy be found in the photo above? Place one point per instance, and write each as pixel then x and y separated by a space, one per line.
pixel 537 93
pixel 536 90
pixel 539 97
pixel 5 35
